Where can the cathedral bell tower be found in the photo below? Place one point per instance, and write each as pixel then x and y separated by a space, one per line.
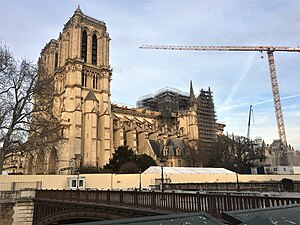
pixel 82 77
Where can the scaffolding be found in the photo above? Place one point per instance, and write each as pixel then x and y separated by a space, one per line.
pixel 167 101
pixel 206 117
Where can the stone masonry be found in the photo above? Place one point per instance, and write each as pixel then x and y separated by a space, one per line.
pixel 16 207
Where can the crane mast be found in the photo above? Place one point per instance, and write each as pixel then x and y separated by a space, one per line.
pixel 249 120
pixel 268 49
pixel 276 98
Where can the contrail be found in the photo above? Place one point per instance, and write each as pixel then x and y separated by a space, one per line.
pixel 260 103
pixel 245 71
pixel 271 100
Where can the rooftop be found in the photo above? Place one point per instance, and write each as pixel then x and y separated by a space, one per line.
pixel 187 170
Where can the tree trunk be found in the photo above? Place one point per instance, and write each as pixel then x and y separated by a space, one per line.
pixel 2 155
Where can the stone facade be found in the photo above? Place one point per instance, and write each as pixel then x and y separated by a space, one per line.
pixel 14 163
pixel 93 127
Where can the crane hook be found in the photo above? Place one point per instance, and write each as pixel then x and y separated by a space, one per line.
pixel 261 54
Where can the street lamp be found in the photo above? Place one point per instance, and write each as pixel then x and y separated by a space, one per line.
pixel 162 162
pixel 77 166
pixel 237 176
pixel 140 186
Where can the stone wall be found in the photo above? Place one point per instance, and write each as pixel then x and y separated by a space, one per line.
pixel 16 207
pixel 23 212
pixel 6 213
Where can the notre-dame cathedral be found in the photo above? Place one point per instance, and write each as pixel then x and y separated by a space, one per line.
pixel 168 124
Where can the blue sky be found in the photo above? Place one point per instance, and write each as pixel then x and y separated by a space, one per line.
pixel 237 79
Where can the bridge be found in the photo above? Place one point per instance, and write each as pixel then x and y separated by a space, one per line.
pixel 51 206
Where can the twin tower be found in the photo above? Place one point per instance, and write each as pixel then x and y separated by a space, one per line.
pixel 93 127
pixel 79 62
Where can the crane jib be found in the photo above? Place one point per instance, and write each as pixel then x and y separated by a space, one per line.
pixel 223 48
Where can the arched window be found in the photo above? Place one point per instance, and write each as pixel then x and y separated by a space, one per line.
pixel 84 45
pixel 53 159
pixel 67 46
pixel 40 163
pixel 82 78
pixel 56 61
pixel 94 82
pixel 97 82
pixel 94 50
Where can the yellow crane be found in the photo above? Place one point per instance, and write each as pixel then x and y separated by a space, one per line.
pixel 269 49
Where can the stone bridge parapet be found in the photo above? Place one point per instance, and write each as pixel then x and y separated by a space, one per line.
pixel 16 207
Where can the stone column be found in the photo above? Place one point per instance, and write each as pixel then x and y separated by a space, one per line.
pixel 89 48
pixel 99 51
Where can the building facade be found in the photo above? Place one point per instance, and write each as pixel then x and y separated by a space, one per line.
pixel 93 127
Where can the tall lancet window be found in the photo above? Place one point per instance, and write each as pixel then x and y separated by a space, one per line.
pixel 84 45
pixel 94 50
pixel 56 61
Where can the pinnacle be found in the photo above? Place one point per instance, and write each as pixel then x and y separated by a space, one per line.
pixel 78 10
pixel 192 95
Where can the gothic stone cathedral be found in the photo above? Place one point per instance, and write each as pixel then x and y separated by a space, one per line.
pixel 93 127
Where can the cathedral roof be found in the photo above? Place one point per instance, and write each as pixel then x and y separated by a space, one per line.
pixel 156 146
pixel 91 96
pixel 174 144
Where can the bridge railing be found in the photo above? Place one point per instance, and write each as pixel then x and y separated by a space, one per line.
pixel 186 202
pixel 276 186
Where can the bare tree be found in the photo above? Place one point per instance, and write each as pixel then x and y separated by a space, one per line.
pixel 193 158
pixel 235 150
pixel 26 98
pixel 223 153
